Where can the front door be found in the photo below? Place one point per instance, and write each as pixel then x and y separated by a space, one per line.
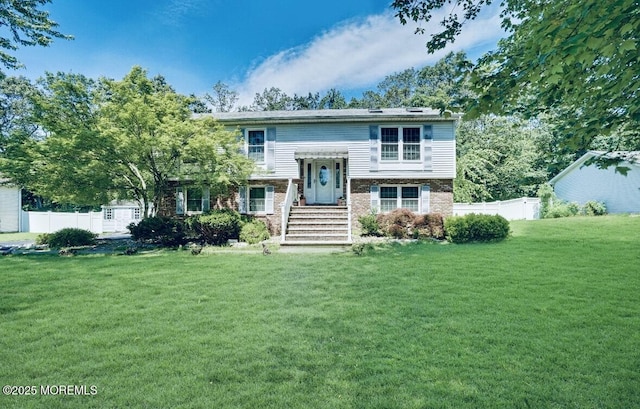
pixel 324 182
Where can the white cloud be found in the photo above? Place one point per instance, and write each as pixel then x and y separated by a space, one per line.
pixel 358 54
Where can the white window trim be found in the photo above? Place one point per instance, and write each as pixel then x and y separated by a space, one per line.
pixel 269 200
pixel 248 196
pixel 204 201
pixel 399 198
pixel 264 144
pixel 400 144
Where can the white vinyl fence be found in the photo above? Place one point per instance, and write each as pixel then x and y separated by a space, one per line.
pixel 526 208
pixel 49 222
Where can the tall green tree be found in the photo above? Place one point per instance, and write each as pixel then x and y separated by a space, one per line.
pixel 60 160
pixel 154 140
pixel 445 85
pixel 301 102
pixel 23 23
pixel 126 139
pixel 333 99
pixel 272 99
pixel 576 60
pixel 398 88
pixel 499 158
pixel 15 109
pixel 223 98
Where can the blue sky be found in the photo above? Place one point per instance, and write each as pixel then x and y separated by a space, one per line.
pixel 250 45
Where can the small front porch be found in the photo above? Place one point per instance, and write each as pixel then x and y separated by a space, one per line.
pixel 317 225
pixel 318 211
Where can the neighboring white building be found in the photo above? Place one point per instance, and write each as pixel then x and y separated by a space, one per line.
pixel 116 216
pixel 10 203
pixel 581 183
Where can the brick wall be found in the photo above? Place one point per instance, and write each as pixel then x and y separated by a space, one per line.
pixel 440 198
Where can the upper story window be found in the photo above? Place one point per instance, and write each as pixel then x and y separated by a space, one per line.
pixel 397 141
pixel 255 142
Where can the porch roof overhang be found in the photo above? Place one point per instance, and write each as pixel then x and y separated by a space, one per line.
pixel 321 153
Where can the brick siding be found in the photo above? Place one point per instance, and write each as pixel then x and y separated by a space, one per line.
pixel 440 198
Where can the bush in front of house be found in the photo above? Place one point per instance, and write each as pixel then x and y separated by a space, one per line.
pixel 159 230
pixel 593 208
pixel 429 226
pixel 216 227
pixel 397 224
pixel 68 237
pixel 476 228
pixel 369 224
pixel 254 231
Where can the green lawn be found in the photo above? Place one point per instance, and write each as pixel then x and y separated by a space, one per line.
pixel 10 237
pixel 549 318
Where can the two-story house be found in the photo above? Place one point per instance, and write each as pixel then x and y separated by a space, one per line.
pixel 363 160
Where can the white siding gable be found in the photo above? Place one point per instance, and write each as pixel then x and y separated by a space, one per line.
pixel 579 183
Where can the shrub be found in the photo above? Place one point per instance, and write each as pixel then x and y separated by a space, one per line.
pixel 217 227
pixel 476 228
pixel 397 232
pixel 70 237
pixel 547 197
pixel 254 232
pixel 562 209
pixel 397 223
pixel 370 226
pixel 593 208
pixel 43 238
pixel 360 249
pixel 429 226
pixel 160 230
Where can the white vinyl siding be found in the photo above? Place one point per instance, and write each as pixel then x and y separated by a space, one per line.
pixel 580 184
pixel 436 156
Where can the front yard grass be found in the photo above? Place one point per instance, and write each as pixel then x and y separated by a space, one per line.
pixel 548 318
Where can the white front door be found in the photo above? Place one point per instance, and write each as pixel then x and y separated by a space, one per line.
pixel 324 182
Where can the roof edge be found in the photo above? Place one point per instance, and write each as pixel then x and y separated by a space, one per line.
pixel 333 115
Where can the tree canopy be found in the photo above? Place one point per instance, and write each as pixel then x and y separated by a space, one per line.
pixel 576 60
pixel 127 139
pixel 24 24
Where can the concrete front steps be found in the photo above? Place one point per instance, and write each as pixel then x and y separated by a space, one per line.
pixel 317 225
